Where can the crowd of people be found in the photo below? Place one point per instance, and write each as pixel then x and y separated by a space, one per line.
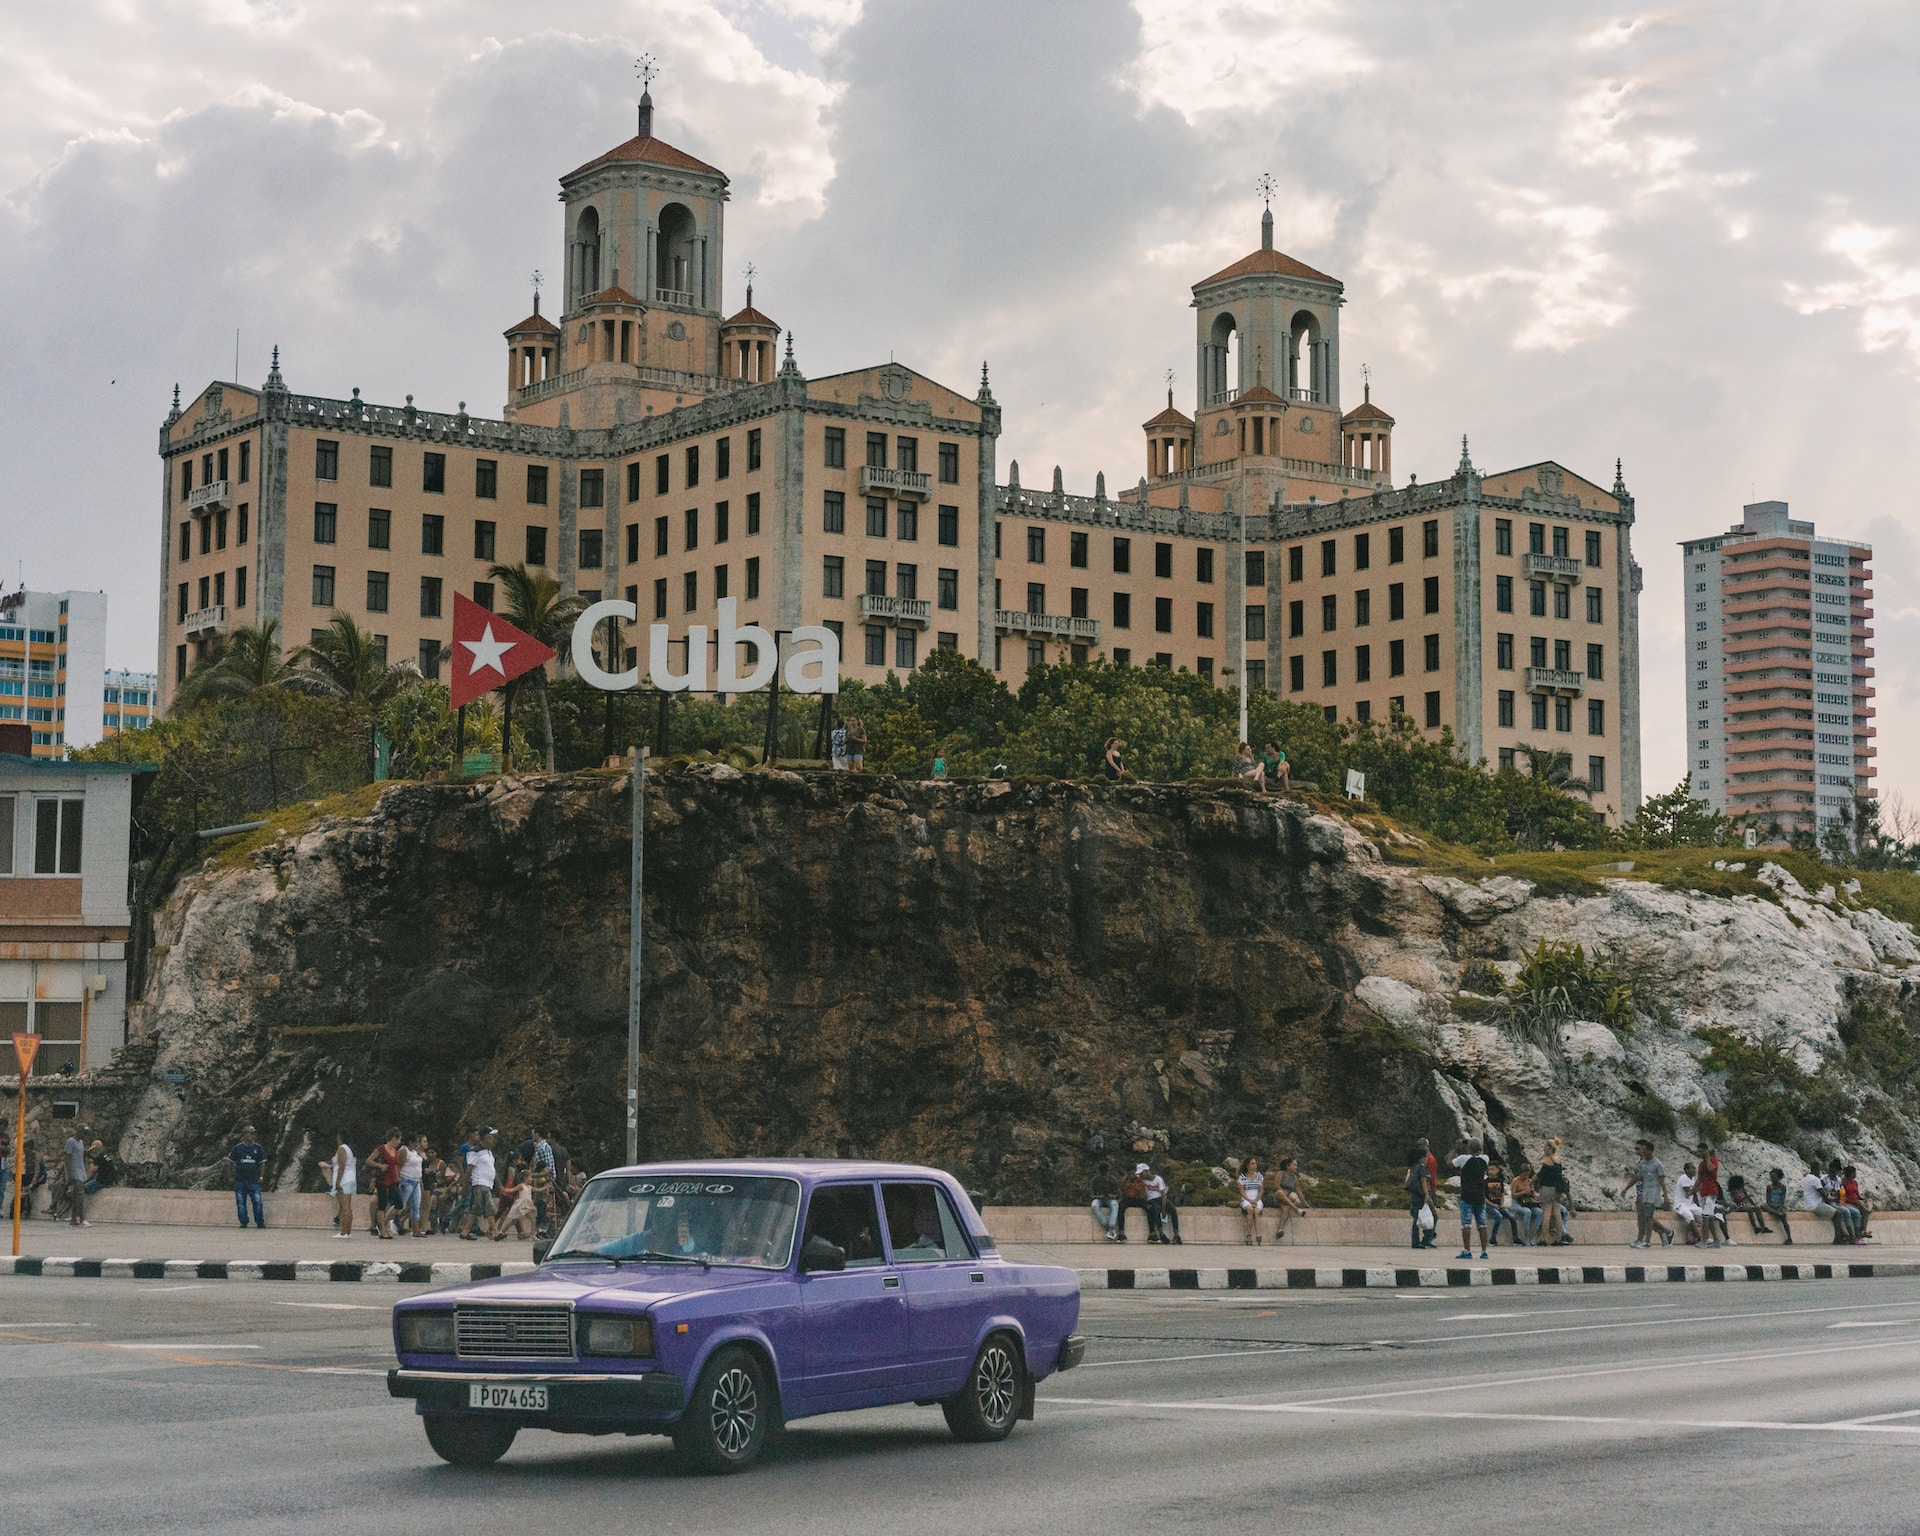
pixel 477 1191
pixel 1148 1192
pixel 57 1185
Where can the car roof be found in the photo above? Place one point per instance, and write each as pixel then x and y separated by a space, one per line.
pixel 808 1168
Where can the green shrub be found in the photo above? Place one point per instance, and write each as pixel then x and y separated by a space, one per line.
pixel 1653 1116
pixel 1558 983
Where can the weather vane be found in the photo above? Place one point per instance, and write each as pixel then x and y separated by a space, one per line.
pixel 1169 378
pixel 1264 186
pixel 646 69
pixel 536 282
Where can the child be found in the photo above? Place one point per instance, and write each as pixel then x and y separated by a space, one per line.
pixel 1739 1200
pixel 1777 1200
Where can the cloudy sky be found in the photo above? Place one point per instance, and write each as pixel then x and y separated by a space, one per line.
pixel 1685 235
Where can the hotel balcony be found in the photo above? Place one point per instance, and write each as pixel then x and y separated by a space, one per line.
pixel 1554 680
pixel 878 608
pixel 906 484
pixel 1554 567
pixel 209 497
pixel 206 621
pixel 1012 621
pixel 674 296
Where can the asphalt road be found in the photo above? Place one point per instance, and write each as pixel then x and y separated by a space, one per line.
pixel 159 1407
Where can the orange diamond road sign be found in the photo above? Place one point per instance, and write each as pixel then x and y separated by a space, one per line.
pixel 24 1047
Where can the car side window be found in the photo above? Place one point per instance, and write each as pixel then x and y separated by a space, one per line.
pixel 922 1225
pixel 846 1216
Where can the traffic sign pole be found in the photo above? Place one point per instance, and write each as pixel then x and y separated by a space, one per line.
pixel 24 1047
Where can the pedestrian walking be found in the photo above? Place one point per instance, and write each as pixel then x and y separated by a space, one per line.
pixel 480 1180
pixel 1419 1188
pixel 1647 1178
pixel 1253 1184
pixel 248 1159
pixel 342 1181
pixel 1105 1203
pixel 75 1149
pixel 1471 1164
pixel 413 1170
pixel 1706 1192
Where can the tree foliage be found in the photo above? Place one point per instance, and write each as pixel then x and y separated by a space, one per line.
pixel 1678 820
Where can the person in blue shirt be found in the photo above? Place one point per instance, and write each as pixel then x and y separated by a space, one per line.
pixel 249 1161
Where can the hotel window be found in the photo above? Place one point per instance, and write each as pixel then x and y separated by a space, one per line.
pixel 1430 539
pixel 1122 556
pixel 240 536
pixel 1503 652
pixel 836 448
pixel 908 449
pixel 1203 620
pixel 1503 535
pixel 1430 595
pixel 876 450
pixel 753 449
pixel 1597 775
pixel 690 591
pixel 662 474
pixel 1536 652
pixel 659 538
pixel 1363 663
pixel 1563 714
pixel 1593 605
pixel 57 831
pixel 949 463
pixel 486 479
pixel 876 646
pixel 326 522
pixel 723 458
pixel 1328 557
pixel 1396 545
pixel 722 522
pixel 660 597
pixel 633 481
pixel 1329 611
pixel 691 519
pixel 1297 563
pixel 1536 538
pixel 1596 717
pixel 1329 669
pixel 1560 543
pixel 1036 597
pixel 1595 656
pixel 483 594
pixel 1431 647
pixel 753 513
pixel 433 473
pixel 876 517
pixel 433 533
pixel 1593 559
pixel 430 659
pixel 1122 610
pixel 1077 550
pixel 876 578
pixel 536 485
pixel 1362 551
pixel 906 522
pixel 240 587
pixel 323 586
pixel 1506 707
pixel 1162 559
pixel 591 548
pixel 186 541
pixel 949 588
pixel 380 466
pixel 1396 658
pixel 1503 594
pixel 693 465
pixel 753 577
pixel 834 515
pixel 1563 655
pixel 376 591
pixel 1537 599
pixel 720 586
pixel 1256 567
pixel 1396 601
pixel 379 528
pixel 326 460
pixel 1255 620
pixel 1163 615
pixel 593 487
pixel 1433 710
pixel 1296 673
pixel 1036 546
pixel 1204 666
pixel 1203 564
pixel 1539 710
pixel 950 526
pixel 246 462
pixel 483 540
pixel 536 546
pixel 206 535
pixel 905 644
pixel 429 597
pixel 906 582
pixel 1562 601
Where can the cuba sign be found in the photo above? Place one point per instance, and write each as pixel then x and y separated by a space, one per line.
pixel 812 664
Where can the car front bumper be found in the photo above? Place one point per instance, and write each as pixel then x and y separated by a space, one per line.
pixel 649 1397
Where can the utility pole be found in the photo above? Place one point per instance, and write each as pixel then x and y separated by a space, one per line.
pixel 639 782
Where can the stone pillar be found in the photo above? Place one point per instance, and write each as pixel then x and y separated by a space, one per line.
pixel 1627 607
pixel 270 526
pixel 987 471
pixel 1469 714
pixel 789 509
pixel 568 474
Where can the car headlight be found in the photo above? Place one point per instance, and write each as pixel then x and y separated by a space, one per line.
pixel 426 1333
pixel 617 1336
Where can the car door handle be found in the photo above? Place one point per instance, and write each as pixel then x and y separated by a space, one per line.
pixel 978 1277
pixel 891 1282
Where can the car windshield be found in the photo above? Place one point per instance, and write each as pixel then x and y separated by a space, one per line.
pixel 710 1218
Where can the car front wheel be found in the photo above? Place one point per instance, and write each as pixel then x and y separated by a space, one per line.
pixel 468 1442
pixel 725 1425
pixel 988 1405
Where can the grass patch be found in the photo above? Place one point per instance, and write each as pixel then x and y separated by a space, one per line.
pixel 292 820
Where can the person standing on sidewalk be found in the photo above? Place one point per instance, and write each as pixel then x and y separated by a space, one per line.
pixel 248 1159
pixel 1551 1184
pixel 480 1175
pixel 1647 1178
pixel 1419 1187
pixel 76 1165
pixel 342 1176
pixel 413 1169
pixel 1471 1163
pixel 1156 1204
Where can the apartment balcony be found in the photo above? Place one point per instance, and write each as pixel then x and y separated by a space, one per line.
pixel 1554 567
pixel 1554 680
pixel 676 296
pixel 904 484
pixel 206 621
pixel 878 608
pixel 210 497
pixel 1053 626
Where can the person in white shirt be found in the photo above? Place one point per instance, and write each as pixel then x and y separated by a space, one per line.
pixel 1252 1184
pixel 413 1163
pixel 480 1185
pixel 1156 1203
pixel 1817 1196
pixel 1687 1207
pixel 341 1170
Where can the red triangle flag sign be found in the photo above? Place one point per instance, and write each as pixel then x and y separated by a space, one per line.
pixel 488 652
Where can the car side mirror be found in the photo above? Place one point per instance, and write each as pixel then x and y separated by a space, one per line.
pixel 819 1254
pixel 541 1249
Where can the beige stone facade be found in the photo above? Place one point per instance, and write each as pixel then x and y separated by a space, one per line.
pixel 654 447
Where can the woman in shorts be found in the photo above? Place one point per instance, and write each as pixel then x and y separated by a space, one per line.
pixel 1253 1184
pixel 341 1184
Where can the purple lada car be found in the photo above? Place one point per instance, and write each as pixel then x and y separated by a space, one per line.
pixel 719 1301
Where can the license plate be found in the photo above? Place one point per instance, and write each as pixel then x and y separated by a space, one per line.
pixel 519 1399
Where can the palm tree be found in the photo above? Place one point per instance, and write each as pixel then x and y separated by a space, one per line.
pixel 1554 769
pixel 343 661
pixel 242 663
pixel 535 603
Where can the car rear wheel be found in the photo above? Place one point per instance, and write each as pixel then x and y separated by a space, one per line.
pixel 468 1442
pixel 725 1425
pixel 989 1404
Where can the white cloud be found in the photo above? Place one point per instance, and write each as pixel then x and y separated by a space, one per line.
pixel 1242 56
pixel 1884 287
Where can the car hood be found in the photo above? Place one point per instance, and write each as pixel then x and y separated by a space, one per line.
pixel 633 1285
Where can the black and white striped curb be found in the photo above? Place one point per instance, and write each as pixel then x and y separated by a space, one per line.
pixel 363 1270
pixel 1383 1278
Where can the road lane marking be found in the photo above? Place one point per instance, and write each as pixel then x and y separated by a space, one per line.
pixel 1614 1421
pixel 1483 1317
pixel 1224 1354
pixel 1691 1317
pixel 1881 1418
pixel 1898 1322
pixel 335 1306
pixel 181 1346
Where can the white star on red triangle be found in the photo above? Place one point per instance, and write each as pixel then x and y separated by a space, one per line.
pixel 487 652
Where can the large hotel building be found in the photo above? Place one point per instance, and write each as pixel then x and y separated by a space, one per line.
pixel 655 447
pixel 1779 701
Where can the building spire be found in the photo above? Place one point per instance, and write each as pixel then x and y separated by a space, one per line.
pixel 646 69
pixel 1264 186
pixel 985 397
pixel 176 404
pixel 1619 480
pixel 274 381
pixel 1465 466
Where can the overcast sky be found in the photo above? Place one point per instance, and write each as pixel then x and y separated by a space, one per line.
pixel 1684 236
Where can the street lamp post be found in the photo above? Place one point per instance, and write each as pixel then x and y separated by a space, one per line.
pixel 636 872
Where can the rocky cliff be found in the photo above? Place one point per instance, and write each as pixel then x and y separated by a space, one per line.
pixel 985 976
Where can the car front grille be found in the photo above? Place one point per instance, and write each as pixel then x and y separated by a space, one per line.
pixel 514 1333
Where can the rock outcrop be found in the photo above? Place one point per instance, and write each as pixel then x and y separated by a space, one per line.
pixel 988 976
